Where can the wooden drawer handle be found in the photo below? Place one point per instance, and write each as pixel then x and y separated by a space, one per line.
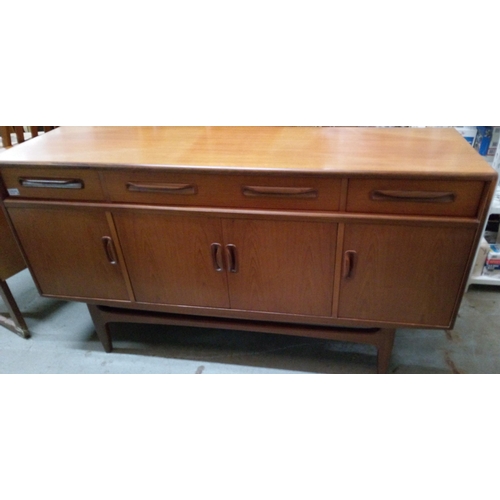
pixel 215 249
pixel 232 258
pixel 109 248
pixel 350 260
pixel 170 188
pixel 51 183
pixel 289 192
pixel 413 196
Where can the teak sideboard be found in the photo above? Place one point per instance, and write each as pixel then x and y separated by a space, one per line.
pixel 336 233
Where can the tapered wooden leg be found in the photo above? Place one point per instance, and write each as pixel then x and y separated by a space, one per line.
pixel 15 323
pixel 5 133
pixel 384 347
pixel 19 134
pixel 101 327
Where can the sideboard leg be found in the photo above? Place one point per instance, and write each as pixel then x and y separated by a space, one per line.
pixel 101 327
pixel 385 349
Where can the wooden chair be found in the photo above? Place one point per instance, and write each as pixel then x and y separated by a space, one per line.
pixel 20 134
pixel 11 259
pixel 11 262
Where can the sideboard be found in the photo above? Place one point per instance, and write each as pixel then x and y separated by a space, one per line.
pixel 336 233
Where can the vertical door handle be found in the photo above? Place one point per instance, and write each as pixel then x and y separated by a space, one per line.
pixel 232 258
pixel 109 248
pixel 350 260
pixel 215 249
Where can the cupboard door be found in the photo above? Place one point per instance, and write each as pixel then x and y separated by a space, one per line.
pixel 171 259
pixel 70 252
pixel 280 266
pixel 403 274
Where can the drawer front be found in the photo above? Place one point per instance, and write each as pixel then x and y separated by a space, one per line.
pixel 52 183
pixel 228 191
pixel 414 197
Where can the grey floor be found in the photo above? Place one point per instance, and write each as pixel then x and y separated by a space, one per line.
pixel 63 341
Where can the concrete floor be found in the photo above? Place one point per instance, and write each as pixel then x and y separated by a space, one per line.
pixel 63 341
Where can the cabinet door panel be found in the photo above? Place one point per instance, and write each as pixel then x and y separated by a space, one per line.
pixel 169 258
pixel 404 274
pixel 66 252
pixel 282 266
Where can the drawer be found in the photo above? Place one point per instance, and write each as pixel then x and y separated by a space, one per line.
pixel 223 190
pixel 414 197
pixel 52 183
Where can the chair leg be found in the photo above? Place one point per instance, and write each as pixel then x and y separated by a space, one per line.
pixel 15 323
pixel 19 134
pixel 5 133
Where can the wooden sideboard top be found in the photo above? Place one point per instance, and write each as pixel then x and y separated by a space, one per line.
pixel 342 150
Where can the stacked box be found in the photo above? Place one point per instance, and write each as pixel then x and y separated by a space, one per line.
pixel 492 265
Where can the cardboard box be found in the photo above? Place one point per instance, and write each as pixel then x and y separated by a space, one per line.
pixel 482 253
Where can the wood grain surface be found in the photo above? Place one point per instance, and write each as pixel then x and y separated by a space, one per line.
pixel 464 199
pixel 169 258
pixel 431 151
pixel 404 274
pixel 90 180
pixel 221 190
pixel 66 253
pixel 283 266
